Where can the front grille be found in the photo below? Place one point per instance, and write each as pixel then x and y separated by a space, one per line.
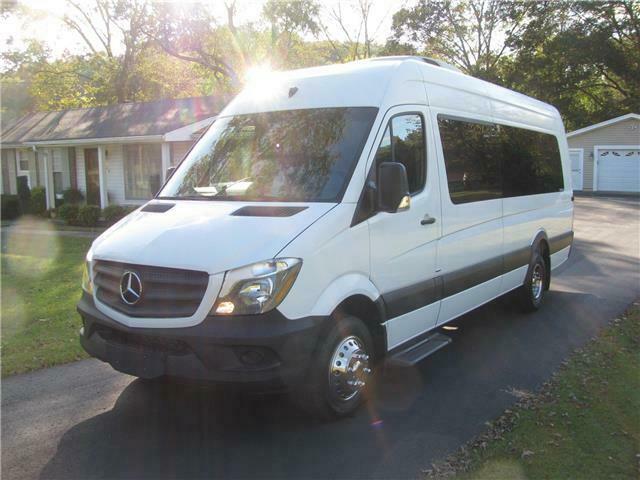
pixel 166 292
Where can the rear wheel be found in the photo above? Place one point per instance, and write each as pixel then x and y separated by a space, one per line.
pixel 340 373
pixel 532 292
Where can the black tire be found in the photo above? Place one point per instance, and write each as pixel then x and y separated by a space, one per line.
pixel 316 394
pixel 532 291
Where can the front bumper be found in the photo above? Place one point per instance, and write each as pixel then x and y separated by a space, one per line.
pixel 263 349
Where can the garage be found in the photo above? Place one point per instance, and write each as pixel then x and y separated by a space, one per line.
pixel 605 157
pixel 618 170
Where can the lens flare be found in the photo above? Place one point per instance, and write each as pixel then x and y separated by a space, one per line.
pixel 30 247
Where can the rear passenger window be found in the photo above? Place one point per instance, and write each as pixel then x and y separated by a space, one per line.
pixel 531 162
pixel 472 165
pixel 485 161
pixel 404 142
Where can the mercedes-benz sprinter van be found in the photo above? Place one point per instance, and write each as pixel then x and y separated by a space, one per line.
pixel 326 224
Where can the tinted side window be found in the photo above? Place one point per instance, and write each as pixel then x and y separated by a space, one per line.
pixel 471 160
pixel 384 150
pixel 404 142
pixel 485 161
pixel 408 148
pixel 531 162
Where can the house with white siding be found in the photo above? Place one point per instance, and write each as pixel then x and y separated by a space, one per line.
pixel 116 154
pixel 605 157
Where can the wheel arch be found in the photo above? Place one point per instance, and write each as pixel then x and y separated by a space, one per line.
pixel 371 313
pixel 541 243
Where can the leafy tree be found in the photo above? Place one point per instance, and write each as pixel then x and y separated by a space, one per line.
pixel 582 57
pixel 106 26
pixel 19 67
pixel 191 33
pixel 290 19
pixel 470 34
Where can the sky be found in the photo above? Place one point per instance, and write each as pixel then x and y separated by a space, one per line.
pixel 44 22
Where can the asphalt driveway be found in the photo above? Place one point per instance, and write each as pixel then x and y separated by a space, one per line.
pixel 84 420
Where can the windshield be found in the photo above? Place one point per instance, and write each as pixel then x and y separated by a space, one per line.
pixel 294 155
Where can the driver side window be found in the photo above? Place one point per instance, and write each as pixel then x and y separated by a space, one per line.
pixel 404 142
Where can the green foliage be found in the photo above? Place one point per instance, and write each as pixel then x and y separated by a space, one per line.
pixel 88 215
pixel 582 57
pixel 38 202
pixel 9 207
pixel 585 424
pixel 69 213
pixel 113 213
pixel 72 195
pixel 40 287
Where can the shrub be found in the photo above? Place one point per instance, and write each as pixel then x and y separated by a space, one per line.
pixel 72 195
pixel 10 207
pixel 69 213
pixel 113 213
pixel 88 215
pixel 38 203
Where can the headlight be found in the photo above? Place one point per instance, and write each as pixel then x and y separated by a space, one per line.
pixel 87 284
pixel 256 288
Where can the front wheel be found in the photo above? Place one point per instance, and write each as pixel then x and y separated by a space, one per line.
pixel 340 373
pixel 532 290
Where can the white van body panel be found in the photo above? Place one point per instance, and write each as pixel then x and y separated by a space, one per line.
pixel 335 265
pixel 410 325
pixel 202 235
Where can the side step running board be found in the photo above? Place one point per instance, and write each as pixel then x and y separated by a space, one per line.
pixel 419 351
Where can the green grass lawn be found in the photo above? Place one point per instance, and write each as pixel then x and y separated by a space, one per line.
pixel 41 277
pixel 584 424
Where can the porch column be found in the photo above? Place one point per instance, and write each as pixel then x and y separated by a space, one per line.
pixel 102 176
pixel 49 192
pixel 166 159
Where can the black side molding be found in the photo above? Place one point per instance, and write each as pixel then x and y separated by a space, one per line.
pixel 157 207
pixel 561 241
pixel 264 211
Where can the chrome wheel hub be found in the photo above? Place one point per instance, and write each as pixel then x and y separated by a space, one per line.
pixel 537 282
pixel 349 369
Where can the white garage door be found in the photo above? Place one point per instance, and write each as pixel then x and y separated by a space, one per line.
pixel 619 170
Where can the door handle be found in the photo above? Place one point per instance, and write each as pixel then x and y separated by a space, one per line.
pixel 427 220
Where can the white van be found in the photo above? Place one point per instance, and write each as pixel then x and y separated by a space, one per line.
pixel 326 224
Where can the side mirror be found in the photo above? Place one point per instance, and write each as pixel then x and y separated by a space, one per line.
pixel 393 187
pixel 170 171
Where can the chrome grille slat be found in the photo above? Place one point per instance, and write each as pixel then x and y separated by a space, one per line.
pixel 166 293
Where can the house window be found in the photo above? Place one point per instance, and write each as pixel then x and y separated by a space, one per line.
pixel 23 161
pixel 57 182
pixel 142 171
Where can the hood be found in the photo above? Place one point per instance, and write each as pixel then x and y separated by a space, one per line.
pixel 210 236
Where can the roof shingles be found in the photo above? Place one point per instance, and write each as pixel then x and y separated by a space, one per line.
pixel 122 120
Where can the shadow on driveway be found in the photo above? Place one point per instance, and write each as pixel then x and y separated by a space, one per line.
pixel 174 430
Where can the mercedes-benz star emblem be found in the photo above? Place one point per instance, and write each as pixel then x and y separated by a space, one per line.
pixel 130 287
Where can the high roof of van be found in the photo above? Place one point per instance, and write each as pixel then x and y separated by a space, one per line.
pixel 387 81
